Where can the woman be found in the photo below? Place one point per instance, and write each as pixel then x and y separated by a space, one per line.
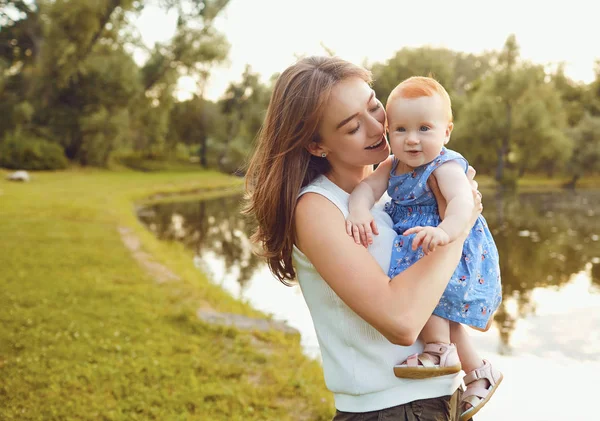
pixel 323 132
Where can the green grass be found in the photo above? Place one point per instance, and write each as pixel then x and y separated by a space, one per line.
pixel 136 162
pixel 87 334
pixel 538 182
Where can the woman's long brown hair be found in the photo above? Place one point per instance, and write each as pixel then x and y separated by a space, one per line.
pixel 281 164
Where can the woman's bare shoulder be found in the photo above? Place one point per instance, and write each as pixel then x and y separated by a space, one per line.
pixel 312 209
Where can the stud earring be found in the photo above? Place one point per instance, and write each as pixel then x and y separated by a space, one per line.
pixel 323 155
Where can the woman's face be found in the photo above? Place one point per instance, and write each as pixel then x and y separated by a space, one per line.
pixel 352 129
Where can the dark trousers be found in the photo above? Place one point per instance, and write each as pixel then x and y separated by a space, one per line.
pixel 445 408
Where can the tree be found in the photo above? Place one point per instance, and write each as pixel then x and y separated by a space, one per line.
pixel 513 119
pixel 91 116
pixel 454 70
pixel 243 107
pixel 586 150
pixel 194 121
pixel 507 88
pixel 69 62
pixel 573 95
pixel 477 133
pixel 538 136
pixel 70 67
pixel 194 49
pixel 592 99
pixel 20 42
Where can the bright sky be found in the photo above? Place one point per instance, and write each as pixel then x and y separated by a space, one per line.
pixel 269 34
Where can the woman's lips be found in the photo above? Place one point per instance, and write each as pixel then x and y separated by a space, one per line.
pixel 377 146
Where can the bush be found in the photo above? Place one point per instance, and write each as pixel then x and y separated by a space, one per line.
pixel 509 179
pixel 151 162
pixel 23 151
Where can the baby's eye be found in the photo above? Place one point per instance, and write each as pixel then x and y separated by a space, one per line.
pixel 400 129
pixel 424 128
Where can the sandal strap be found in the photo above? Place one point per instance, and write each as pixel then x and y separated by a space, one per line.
pixel 472 400
pixel 446 353
pixel 427 360
pixel 437 348
pixel 477 392
pixel 433 355
pixel 412 360
pixel 486 371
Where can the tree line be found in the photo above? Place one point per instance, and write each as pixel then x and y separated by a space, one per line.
pixel 70 91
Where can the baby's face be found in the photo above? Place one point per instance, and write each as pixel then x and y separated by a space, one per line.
pixel 418 129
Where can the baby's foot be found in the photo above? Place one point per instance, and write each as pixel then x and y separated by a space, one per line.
pixel 481 385
pixel 437 359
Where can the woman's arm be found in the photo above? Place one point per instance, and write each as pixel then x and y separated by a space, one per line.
pixel 398 308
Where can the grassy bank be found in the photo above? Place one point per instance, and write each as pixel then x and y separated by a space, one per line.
pixel 88 334
pixel 540 183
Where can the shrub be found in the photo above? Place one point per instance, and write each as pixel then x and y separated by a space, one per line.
pixel 23 151
pixel 150 162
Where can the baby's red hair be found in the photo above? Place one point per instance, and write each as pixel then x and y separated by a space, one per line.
pixel 419 86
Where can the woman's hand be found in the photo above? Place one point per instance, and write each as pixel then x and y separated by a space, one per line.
pixel 441 201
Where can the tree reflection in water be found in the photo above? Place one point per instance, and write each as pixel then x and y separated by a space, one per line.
pixel 207 226
pixel 543 239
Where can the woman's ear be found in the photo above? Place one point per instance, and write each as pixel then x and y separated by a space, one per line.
pixel 316 149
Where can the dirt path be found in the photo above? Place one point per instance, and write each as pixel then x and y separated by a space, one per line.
pixel 159 272
pixel 163 274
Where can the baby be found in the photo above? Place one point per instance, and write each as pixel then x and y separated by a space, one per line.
pixel 420 123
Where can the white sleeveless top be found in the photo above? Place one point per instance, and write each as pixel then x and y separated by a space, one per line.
pixel 358 361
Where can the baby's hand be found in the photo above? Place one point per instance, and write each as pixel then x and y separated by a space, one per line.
pixel 428 238
pixel 360 225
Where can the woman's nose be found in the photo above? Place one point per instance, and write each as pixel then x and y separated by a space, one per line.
pixel 375 127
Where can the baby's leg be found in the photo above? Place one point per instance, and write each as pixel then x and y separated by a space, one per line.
pixel 469 357
pixel 436 330
pixel 470 361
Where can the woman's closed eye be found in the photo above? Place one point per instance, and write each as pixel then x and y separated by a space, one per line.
pixel 376 107
pixel 372 110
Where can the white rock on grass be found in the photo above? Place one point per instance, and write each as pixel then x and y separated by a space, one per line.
pixel 19 176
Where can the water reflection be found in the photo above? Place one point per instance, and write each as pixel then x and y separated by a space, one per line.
pixel 212 227
pixel 545 240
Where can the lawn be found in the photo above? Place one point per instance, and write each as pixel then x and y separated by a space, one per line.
pixel 540 183
pixel 86 333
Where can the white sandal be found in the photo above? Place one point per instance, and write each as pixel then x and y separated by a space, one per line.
pixel 478 397
pixel 437 359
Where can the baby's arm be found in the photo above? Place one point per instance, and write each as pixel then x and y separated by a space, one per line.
pixel 359 222
pixel 455 187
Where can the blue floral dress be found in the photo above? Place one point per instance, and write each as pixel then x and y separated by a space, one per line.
pixel 474 291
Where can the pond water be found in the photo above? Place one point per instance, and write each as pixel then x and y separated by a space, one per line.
pixel 546 334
